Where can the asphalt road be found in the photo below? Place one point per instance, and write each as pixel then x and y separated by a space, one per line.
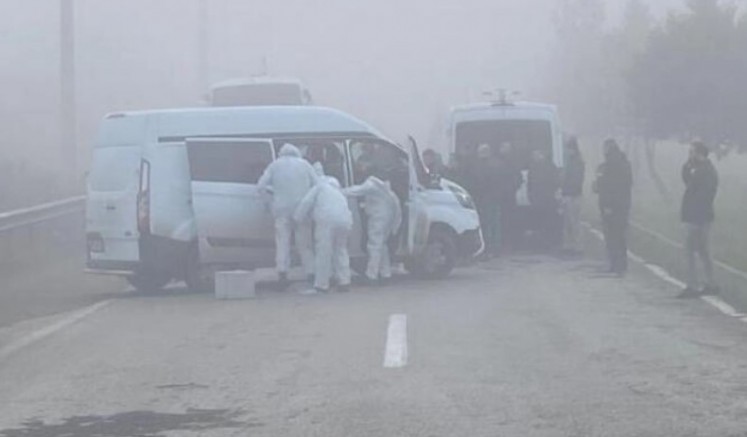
pixel 525 347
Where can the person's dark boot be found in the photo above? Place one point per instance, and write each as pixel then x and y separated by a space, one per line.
pixel 689 293
pixel 283 282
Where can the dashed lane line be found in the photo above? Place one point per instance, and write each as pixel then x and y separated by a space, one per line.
pixel 664 275
pixel 395 353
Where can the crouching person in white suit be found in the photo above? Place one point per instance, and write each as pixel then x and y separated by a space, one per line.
pixel 384 219
pixel 328 208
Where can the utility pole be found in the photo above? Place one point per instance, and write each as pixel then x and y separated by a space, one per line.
pixel 68 119
pixel 203 56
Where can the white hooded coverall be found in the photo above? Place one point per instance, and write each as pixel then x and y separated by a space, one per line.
pixel 328 208
pixel 289 178
pixel 384 219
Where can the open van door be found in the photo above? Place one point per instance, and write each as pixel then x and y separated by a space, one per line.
pixel 234 224
pixel 417 217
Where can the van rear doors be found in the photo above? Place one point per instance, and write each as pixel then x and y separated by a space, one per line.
pixel 234 224
pixel 113 185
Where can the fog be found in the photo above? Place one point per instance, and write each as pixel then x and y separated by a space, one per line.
pixel 399 65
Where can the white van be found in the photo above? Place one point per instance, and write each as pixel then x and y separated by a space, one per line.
pixel 172 193
pixel 260 91
pixel 527 126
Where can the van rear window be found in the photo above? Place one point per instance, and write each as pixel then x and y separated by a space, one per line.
pixel 240 162
pixel 525 136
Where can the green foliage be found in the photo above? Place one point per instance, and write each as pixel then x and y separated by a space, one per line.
pixel 690 82
pixel 682 78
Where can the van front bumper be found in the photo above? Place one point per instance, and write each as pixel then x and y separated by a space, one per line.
pixel 471 244
pixel 116 268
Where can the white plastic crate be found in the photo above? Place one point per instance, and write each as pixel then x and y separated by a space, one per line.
pixel 239 284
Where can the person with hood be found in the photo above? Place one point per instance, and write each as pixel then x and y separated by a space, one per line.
pixel 384 217
pixel 327 207
pixel 572 189
pixel 288 179
pixel 701 185
pixel 613 185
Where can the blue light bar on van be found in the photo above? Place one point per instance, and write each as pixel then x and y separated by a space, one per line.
pixel 117 115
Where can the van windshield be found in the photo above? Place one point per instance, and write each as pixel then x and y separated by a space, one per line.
pixel 258 95
pixel 525 136
pixel 229 161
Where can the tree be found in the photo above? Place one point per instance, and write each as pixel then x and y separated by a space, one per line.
pixel 690 80
pixel 579 27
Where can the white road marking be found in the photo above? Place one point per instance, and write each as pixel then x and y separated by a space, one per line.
pixel 722 306
pixel 52 329
pixel 395 354
pixel 663 274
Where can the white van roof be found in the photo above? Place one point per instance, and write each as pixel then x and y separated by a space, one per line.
pixel 511 110
pixel 241 121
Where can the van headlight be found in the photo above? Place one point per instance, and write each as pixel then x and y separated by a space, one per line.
pixel 463 198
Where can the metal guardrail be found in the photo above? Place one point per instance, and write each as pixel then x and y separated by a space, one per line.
pixel 22 218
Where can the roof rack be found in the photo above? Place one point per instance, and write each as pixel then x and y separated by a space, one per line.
pixel 501 97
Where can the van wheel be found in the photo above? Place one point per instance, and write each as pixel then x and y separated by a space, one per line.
pixel 149 282
pixel 198 278
pixel 438 258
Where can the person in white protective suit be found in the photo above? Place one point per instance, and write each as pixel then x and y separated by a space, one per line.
pixel 288 179
pixel 384 219
pixel 327 207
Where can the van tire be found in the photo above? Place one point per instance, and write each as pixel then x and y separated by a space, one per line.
pixel 149 282
pixel 438 258
pixel 198 278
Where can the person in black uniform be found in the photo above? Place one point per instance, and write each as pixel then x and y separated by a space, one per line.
pixel 543 183
pixel 613 185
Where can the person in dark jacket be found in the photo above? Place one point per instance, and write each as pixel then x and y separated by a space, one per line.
pixel 508 181
pixel 572 190
pixel 701 185
pixel 433 162
pixel 484 189
pixel 542 188
pixel 614 185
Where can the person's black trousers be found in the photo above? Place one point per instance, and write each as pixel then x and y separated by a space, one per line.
pixel 615 229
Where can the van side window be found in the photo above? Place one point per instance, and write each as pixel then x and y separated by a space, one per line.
pixel 326 151
pixel 381 159
pixel 239 162
pixel 525 136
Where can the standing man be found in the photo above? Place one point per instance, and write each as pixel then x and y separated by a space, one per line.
pixel 542 189
pixel 288 179
pixel 328 208
pixel 433 162
pixel 572 190
pixel 614 185
pixel 485 192
pixel 701 185
pixel 509 181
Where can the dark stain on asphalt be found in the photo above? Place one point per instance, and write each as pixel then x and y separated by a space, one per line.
pixel 135 423
pixel 187 386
